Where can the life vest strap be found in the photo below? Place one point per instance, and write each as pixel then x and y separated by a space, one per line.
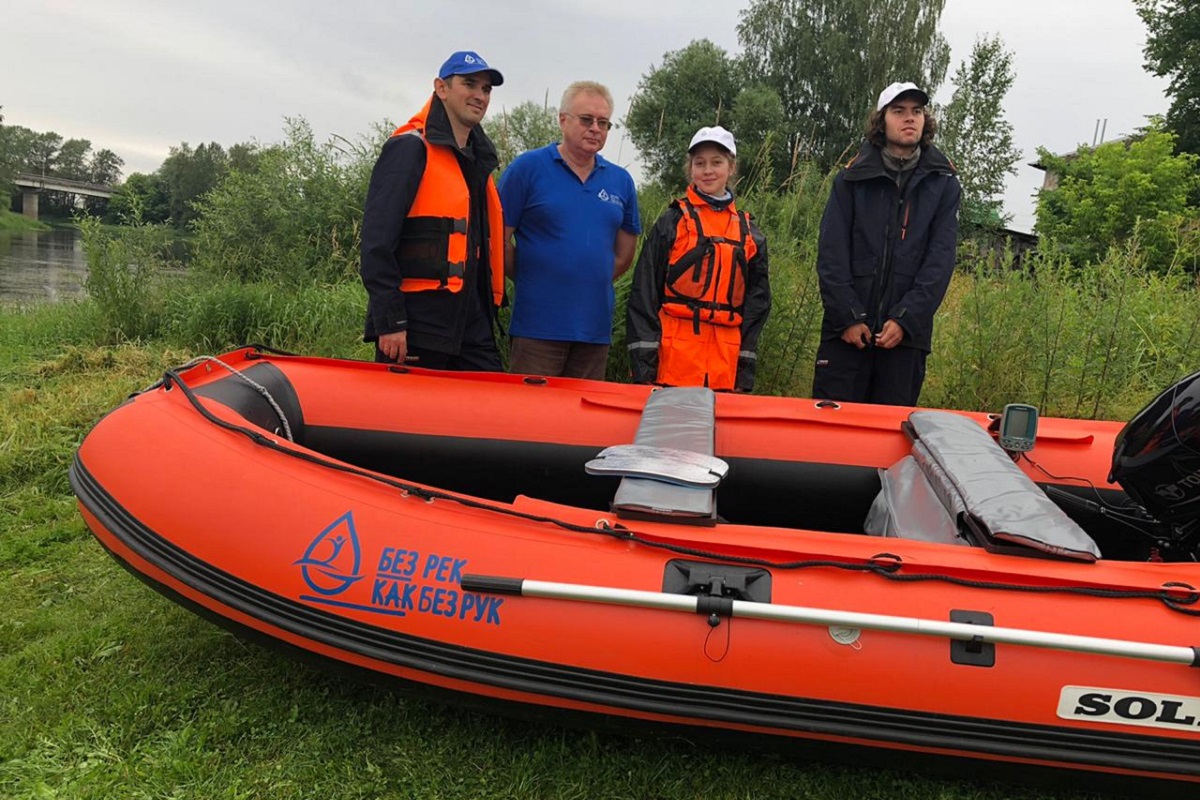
pixel 422 227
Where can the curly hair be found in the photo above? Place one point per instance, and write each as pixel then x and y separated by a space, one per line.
pixel 877 134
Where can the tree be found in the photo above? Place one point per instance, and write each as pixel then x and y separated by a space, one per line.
pixel 25 150
pixel 693 87
pixel 189 175
pixel 292 220
pixel 140 199
pixel 972 130
pixel 1108 194
pixel 7 164
pixel 105 167
pixel 72 159
pixel 42 152
pixel 244 157
pixel 526 127
pixel 1173 30
pixel 758 123
pixel 828 60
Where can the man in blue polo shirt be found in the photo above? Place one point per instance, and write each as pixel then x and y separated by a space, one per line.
pixel 575 219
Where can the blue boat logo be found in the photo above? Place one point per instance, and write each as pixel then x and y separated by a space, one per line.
pixel 330 564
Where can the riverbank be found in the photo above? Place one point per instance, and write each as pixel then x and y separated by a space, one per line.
pixel 113 691
pixel 13 223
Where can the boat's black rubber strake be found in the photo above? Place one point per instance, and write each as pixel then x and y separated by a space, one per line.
pixel 1109 750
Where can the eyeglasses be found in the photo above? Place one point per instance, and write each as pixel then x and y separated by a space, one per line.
pixel 587 121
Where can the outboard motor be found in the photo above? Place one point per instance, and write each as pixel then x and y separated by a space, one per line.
pixel 1156 458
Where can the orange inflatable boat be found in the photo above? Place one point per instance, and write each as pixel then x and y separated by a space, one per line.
pixel 912 585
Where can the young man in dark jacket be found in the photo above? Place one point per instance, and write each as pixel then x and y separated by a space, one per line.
pixel 432 236
pixel 885 256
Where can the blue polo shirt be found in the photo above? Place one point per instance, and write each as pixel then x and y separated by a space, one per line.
pixel 565 232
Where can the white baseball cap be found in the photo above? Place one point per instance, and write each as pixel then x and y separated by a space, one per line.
pixel 895 90
pixel 717 135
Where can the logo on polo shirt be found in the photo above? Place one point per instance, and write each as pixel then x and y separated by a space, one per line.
pixel 610 198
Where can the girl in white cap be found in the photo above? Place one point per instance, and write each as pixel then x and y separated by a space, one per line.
pixel 700 293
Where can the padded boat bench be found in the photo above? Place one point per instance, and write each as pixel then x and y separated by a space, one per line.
pixel 674 445
pixel 959 487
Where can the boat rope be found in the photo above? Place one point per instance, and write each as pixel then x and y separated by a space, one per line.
pixel 1176 596
pixel 258 387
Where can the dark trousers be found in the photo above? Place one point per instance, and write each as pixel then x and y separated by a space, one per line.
pixel 557 359
pixel 478 352
pixel 473 360
pixel 885 377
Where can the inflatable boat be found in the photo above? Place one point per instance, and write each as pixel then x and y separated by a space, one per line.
pixel 886 584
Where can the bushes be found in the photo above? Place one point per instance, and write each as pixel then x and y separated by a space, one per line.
pixel 791 222
pixel 125 278
pixel 1096 341
pixel 292 220
pixel 276 253
pixel 312 319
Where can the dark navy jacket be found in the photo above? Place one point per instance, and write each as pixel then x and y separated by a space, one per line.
pixel 887 255
pixel 434 320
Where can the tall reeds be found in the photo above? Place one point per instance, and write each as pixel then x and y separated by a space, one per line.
pixel 276 261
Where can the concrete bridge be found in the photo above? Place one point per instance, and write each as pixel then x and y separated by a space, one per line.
pixel 31 185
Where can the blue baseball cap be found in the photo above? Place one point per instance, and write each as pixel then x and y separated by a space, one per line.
pixel 468 62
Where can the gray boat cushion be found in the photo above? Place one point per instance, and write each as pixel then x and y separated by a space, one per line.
pixel 680 418
pixel 939 482
pixel 907 506
pixel 1000 500
pixel 683 467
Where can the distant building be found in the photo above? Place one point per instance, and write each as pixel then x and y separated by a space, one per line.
pixel 1050 181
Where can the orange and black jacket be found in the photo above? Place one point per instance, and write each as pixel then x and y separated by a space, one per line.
pixel 432 237
pixel 685 269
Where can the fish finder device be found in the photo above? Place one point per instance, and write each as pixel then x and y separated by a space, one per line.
pixel 1018 427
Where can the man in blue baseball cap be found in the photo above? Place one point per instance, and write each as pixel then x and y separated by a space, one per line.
pixel 468 62
pixel 432 235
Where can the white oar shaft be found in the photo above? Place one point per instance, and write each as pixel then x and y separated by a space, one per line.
pixel 914 625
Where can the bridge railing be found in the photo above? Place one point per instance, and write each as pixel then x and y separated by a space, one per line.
pixel 52 181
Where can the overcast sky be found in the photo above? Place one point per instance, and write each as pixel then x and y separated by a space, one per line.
pixel 140 76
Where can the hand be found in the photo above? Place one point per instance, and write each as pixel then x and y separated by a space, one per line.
pixel 858 335
pixel 891 335
pixel 394 345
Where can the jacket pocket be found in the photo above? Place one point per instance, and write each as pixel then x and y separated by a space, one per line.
pixel 863 267
pixel 862 272
pixel 906 264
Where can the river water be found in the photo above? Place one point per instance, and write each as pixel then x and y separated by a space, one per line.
pixel 41 266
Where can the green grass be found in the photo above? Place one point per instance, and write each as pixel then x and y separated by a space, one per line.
pixel 12 223
pixel 109 690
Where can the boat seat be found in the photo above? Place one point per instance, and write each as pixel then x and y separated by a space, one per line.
pixel 243 393
pixel 959 487
pixel 682 467
pixel 673 419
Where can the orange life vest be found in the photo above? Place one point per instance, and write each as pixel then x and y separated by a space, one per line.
pixel 433 244
pixel 706 269
pixel 704 296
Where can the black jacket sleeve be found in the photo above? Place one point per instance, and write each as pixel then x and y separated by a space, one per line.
pixel 843 306
pixel 394 183
pixel 755 312
pixel 643 330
